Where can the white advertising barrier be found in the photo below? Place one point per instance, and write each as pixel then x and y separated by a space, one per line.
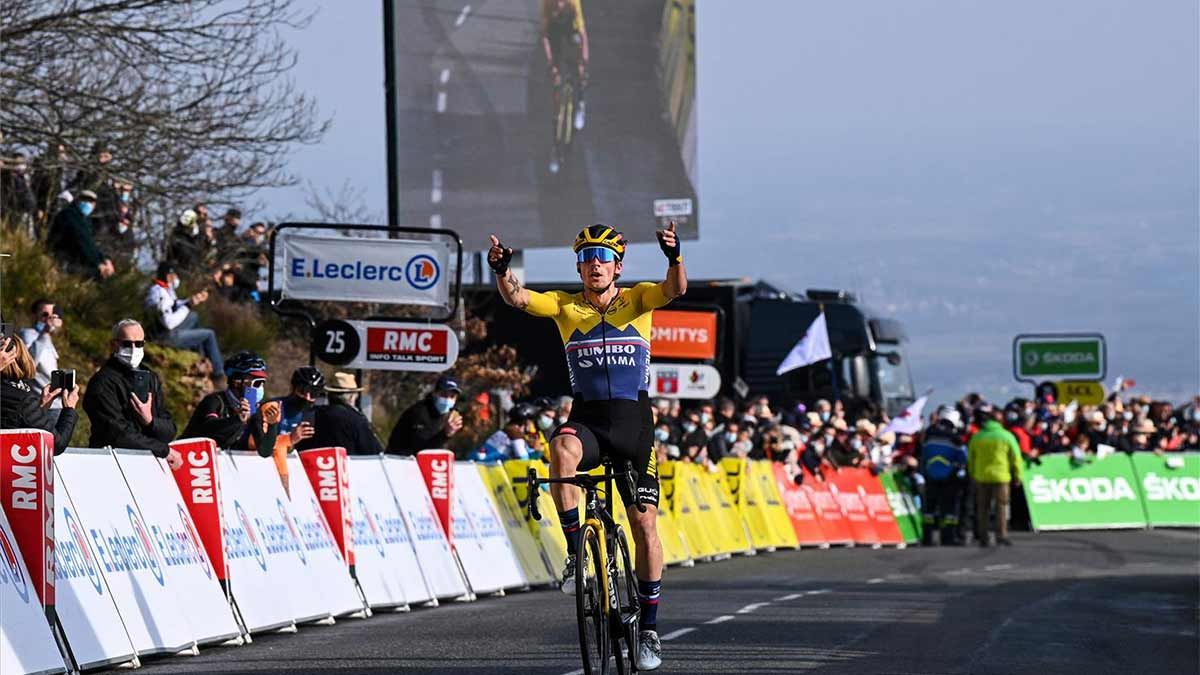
pixel 26 645
pixel 384 559
pixel 336 587
pixel 433 551
pixel 270 512
pixel 174 534
pixel 259 590
pixel 351 269
pixel 493 564
pixel 129 561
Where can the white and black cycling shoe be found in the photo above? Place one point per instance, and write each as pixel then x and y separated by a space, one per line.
pixel 649 656
pixel 568 576
pixel 580 116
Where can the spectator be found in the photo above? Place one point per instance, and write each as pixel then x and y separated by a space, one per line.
pixel 295 420
pixel 339 423
pixel 41 347
pixel 239 418
pixel 1139 438
pixel 824 410
pixel 226 235
pixel 838 449
pixel 24 404
pixel 1081 452
pixel 994 462
pixel 881 450
pixel 509 442
pixel 720 443
pixel 114 402
pixel 94 178
pixel 71 240
pixel 185 248
pixel 176 324
pixel 17 202
pixel 430 422
pixel 49 179
pixel 113 220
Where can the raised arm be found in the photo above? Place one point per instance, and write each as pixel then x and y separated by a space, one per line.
pixel 514 294
pixel 675 283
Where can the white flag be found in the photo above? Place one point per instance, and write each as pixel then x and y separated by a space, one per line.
pixel 813 347
pixel 908 422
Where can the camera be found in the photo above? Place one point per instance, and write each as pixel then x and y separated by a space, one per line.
pixel 62 379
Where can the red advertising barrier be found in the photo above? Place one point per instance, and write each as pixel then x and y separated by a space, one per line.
pixel 844 484
pixel 834 524
pixel 800 509
pixel 200 486
pixel 27 492
pixel 330 478
pixel 437 467
pixel 873 494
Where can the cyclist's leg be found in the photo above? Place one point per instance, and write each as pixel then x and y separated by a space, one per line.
pixel 638 447
pixel 572 447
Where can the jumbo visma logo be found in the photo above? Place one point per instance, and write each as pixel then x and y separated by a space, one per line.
pixel 10 568
pixel 73 558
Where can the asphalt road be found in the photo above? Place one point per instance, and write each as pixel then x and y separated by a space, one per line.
pixel 1094 602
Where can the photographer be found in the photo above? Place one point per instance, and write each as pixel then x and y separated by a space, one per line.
pixel 428 423
pixel 21 404
pixel 238 418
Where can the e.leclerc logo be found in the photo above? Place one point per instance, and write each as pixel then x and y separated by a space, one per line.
pixel 73 557
pixel 10 570
pixel 422 272
pixel 251 536
pixel 143 538
pixel 194 538
pixel 291 526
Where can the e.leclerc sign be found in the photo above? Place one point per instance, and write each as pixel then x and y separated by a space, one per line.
pixel 1066 356
pixel 349 269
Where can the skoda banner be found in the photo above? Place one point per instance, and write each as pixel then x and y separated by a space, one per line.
pixel 1170 488
pixel 352 269
pixel 1100 494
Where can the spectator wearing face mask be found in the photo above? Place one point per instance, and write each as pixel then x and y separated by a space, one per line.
pixel 176 324
pixel 339 423
pixel 721 443
pixel 24 404
pixel 295 409
pixel 124 399
pixel 509 442
pixel 239 418
pixel 72 242
pixel 38 340
pixel 430 422
pixel 824 410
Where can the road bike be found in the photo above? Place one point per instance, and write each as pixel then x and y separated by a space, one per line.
pixel 566 101
pixel 606 595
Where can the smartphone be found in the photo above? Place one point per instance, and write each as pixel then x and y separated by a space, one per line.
pixel 141 385
pixel 62 379
pixel 251 397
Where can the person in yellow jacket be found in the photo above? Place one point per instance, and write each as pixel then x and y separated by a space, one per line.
pixel 994 462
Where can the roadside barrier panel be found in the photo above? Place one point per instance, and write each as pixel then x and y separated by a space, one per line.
pixel 674 488
pixel 385 562
pixel 735 473
pixel 442 571
pixel 173 533
pixel 1171 494
pixel 121 542
pixel 1102 494
pixel 735 532
pixel 833 519
pixel 800 509
pixel 337 588
pixel 329 478
pixel 770 501
pixel 908 517
pixel 26 645
pixel 870 488
pixel 27 493
pixel 529 555
pixel 547 531
pixel 437 468
pixel 675 548
pixel 493 563
pixel 844 484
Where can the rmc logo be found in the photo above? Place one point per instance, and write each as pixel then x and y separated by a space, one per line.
pixel 422 272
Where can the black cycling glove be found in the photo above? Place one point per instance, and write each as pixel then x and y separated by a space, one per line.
pixel 672 252
pixel 500 265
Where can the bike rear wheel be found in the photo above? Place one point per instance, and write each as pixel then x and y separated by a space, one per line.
pixel 624 626
pixel 590 603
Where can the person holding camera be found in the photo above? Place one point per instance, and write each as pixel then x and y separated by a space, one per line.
pixel 124 399
pixel 239 418
pixel 41 347
pixel 24 404
pixel 428 423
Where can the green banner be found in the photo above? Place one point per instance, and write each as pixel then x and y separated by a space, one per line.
pixel 1070 357
pixel 904 507
pixel 1094 495
pixel 1170 487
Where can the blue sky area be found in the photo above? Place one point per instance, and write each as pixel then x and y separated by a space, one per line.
pixel 976 169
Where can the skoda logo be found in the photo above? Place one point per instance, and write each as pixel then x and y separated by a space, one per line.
pixel 422 272
pixel 1031 358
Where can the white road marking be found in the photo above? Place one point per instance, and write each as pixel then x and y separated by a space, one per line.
pixel 441 102
pixel 752 607
pixel 785 598
pixel 676 634
pixel 876 580
pixel 435 194
pixel 445 76
pixel 462 16
pixel 435 221
pixel 720 619
pixel 819 591
pixel 575 672
pixel 965 570
pixel 995 568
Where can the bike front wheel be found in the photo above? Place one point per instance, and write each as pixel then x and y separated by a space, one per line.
pixel 590 603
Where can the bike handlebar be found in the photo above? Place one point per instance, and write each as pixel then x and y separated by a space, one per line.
pixel 583 480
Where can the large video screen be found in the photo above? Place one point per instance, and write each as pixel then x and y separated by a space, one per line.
pixel 535 118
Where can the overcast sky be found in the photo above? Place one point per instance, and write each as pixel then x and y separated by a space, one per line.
pixel 976 169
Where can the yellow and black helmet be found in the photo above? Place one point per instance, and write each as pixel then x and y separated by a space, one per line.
pixel 603 236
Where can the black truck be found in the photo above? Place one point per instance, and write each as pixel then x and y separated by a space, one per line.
pixel 758 324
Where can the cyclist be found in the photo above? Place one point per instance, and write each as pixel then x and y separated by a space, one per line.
pixel 606 337
pixel 563 29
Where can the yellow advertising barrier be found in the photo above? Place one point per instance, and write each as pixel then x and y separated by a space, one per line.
pixel 687 512
pixel 548 531
pixel 698 478
pixel 763 478
pixel 743 493
pixel 735 527
pixel 535 566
